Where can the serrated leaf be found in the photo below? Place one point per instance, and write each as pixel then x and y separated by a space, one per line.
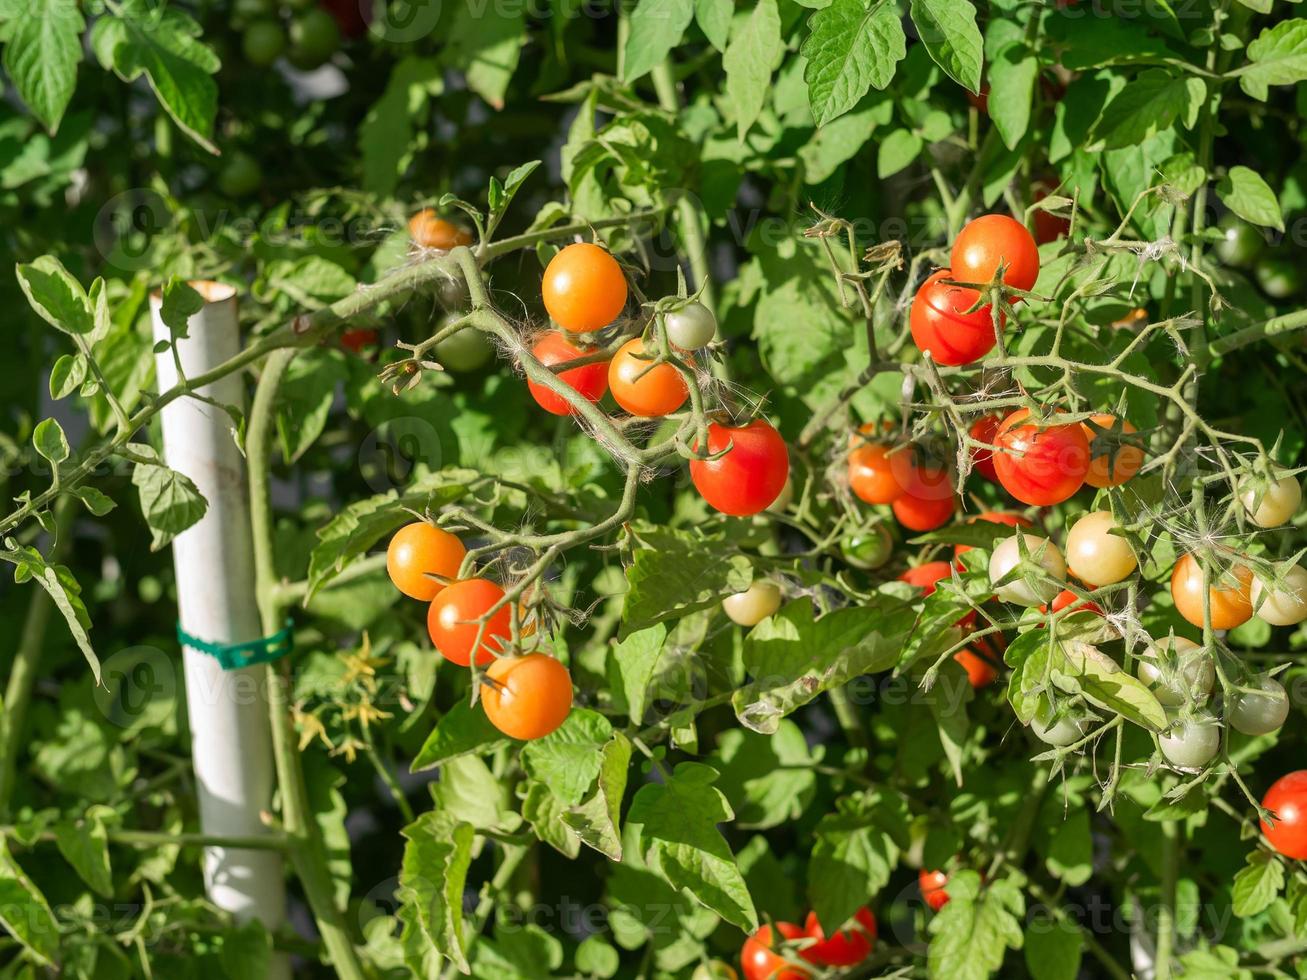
pixel 948 30
pixel 24 912
pixel 596 820
pixel 432 878
pixel 850 49
pixel 767 779
pixel 656 26
pixel 631 666
pixel 170 502
pixel 714 19
pixel 1082 668
pixel 1012 75
pixel 461 730
pixel 1245 193
pixel 56 296
pixel 180 303
pixel 970 935
pixel 676 825
pixel 855 851
pixel 84 843
pixel 1277 56
pixel 1054 948
pixel 58 581
pixel 567 760
pixel 754 52
pixel 485 43
pixel 674 573
pixel 162 43
pixel 544 811
pixel 1257 885
pixel 42 54
pixel 1147 105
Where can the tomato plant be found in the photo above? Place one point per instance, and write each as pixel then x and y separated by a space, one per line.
pixel 719 468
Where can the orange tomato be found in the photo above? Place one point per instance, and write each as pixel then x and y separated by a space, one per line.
pixel 641 387
pixel 584 288
pixel 527 697
pixel 431 231
pixel 451 622
pixel 1231 600
pixel 1111 468
pixel 420 549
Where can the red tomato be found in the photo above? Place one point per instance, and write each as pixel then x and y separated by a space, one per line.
pixel 758 958
pixel 932 888
pixel 590 380
pixel 357 339
pixel 871 473
pixel 747 478
pixel 847 947
pixel 351 16
pixel 942 326
pixel 641 387
pixel 990 241
pixel 1287 797
pixel 1066 597
pixel 980 669
pixel 1111 467
pixel 984 429
pixel 923 513
pixel 925 576
pixel 451 621
pixel 1040 465
pixel 993 517
pixel 1048 226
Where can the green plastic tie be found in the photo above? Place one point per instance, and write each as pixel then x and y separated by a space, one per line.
pixel 233 656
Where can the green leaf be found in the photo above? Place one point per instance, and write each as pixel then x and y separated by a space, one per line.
pixel 58 581
pixel 49 440
pixel 567 760
pixel 501 195
pixel 970 935
pixel 850 48
pixel 1054 948
pixel 432 878
pixel 360 525
pixel 714 19
pixel 67 375
pixel 656 26
pixel 162 43
pixel 766 779
pixel 305 398
pixel 596 957
pixel 387 136
pixel 1147 105
pixel 596 820
pixel 793 656
pixel 461 730
pixel 485 43
pixel 676 826
pixel 856 849
pixel 42 54
pixel 948 699
pixel 57 297
pixel 1012 75
pixel 24 912
pixel 674 573
pixel 948 30
pixel 896 151
pixel 1277 56
pixel 180 303
pixel 94 501
pixel 754 52
pixel 84 843
pixel 840 139
pixel 1256 886
pixel 1244 192
pixel 170 502
pixel 1082 669
pixel 1070 855
pixel 313 281
pixel 544 811
pixel 246 950
pixel 631 666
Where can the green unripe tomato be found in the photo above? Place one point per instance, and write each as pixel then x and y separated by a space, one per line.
pixel 252 10
pixel 714 970
pixel 314 37
pixel 1240 243
pixel 691 327
pixel 466 350
pixel 868 549
pixel 1060 730
pixel 241 176
pixel 1280 278
pixel 1260 710
pixel 1191 743
pixel 263 42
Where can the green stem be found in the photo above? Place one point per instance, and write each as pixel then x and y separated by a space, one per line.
pixel 848 718
pixel 307 850
pixel 1114 969
pixel 392 784
pixel 160 838
pixel 1166 908
pixel 22 676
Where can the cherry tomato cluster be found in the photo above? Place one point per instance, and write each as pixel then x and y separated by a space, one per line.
pixel 584 290
pixel 525 696
pixel 761 956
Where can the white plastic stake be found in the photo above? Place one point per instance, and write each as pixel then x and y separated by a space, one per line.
pixel 231 744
